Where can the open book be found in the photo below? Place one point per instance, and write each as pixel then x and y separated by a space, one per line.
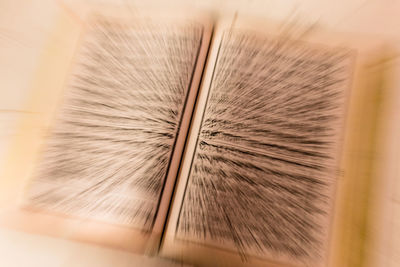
pixel 216 142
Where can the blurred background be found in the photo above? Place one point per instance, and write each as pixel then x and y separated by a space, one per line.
pixel 24 28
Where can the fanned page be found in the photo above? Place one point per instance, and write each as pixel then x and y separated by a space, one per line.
pixel 259 179
pixel 265 155
pixel 108 154
pixel 113 147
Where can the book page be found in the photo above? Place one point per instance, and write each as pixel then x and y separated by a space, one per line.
pixel 112 147
pixel 264 166
pixel 265 159
pixel 108 154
